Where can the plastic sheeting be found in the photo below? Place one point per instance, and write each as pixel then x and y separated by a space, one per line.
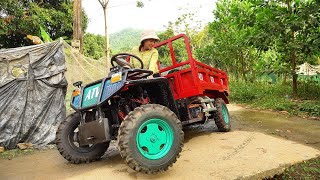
pixel 308 69
pixel 32 94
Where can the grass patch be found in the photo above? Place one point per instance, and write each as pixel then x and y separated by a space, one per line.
pixel 10 154
pixel 306 170
pixel 278 97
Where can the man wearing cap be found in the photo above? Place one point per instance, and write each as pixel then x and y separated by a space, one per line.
pixel 146 52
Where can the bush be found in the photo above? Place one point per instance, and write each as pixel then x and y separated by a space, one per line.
pixel 310 107
pixel 277 96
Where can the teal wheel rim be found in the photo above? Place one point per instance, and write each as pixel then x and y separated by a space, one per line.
pixel 225 114
pixel 154 139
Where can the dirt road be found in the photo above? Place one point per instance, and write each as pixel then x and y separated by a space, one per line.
pixel 251 150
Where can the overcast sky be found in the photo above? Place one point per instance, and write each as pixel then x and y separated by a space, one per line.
pixel 154 15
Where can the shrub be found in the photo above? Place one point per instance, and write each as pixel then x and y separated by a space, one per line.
pixel 277 96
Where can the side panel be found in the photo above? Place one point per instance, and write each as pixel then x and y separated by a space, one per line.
pixel 110 88
pixel 97 93
pixel 90 95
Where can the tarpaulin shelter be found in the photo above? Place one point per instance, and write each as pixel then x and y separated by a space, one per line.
pixel 308 69
pixel 32 93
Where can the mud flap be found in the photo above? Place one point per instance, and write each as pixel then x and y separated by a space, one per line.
pixel 94 132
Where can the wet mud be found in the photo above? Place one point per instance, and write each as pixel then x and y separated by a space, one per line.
pixel 303 130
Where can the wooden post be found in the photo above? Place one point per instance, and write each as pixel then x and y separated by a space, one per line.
pixel 104 4
pixel 77 37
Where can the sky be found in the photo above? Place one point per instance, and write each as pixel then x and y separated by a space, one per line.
pixel 154 15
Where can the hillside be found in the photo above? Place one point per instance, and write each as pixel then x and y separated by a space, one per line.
pixel 124 40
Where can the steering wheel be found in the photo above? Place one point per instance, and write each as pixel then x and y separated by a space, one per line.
pixel 122 62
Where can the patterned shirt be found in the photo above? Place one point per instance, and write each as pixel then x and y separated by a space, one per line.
pixel 149 59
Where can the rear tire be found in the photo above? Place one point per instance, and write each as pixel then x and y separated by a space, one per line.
pixel 69 148
pixel 150 138
pixel 221 115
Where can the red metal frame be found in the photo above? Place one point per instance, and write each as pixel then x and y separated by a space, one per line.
pixel 197 80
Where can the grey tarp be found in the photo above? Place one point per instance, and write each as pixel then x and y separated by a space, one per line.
pixel 32 93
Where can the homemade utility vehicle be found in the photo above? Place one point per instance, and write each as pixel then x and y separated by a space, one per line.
pixel 145 115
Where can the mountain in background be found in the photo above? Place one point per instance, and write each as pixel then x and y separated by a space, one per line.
pixel 124 40
pixel 121 41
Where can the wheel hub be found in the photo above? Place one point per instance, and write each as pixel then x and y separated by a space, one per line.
pixel 154 138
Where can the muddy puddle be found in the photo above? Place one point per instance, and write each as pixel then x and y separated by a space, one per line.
pixel 302 130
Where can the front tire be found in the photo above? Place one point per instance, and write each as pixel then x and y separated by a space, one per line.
pixel 222 116
pixel 68 146
pixel 150 138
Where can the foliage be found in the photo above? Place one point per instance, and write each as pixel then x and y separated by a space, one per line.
pixel 252 37
pixel 94 45
pixel 164 51
pixel 292 25
pixel 140 4
pixel 312 108
pixel 45 36
pixel 122 41
pixel 305 170
pixel 23 17
pixel 179 48
pixel 10 154
pixel 187 25
pixel 277 97
pixel 228 49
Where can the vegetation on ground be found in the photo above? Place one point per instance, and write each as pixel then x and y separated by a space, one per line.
pixel 305 170
pixel 264 95
pixel 10 154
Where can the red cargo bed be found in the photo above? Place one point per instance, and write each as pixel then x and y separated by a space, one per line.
pixel 190 77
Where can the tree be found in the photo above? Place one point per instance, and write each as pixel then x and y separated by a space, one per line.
pixel 293 25
pixel 94 46
pixel 186 24
pixel 18 18
pixel 245 30
pixel 227 48
pixel 164 52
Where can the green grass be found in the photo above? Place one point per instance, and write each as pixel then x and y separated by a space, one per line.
pixel 306 170
pixel 10 154
pixel 278 97
pixel 69 110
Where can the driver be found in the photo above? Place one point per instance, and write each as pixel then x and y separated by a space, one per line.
pixel 146 52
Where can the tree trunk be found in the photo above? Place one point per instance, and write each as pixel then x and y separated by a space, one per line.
pixel 243 68
pixel 293 59
pixel 294 75
pixel 284 78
